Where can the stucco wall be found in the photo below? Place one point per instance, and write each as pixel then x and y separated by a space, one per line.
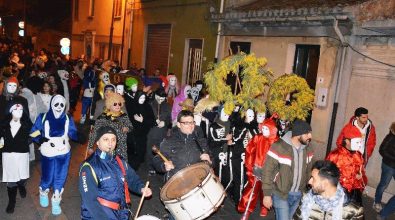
pixel 188 21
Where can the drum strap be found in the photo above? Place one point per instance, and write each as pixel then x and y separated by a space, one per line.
pixel 125 183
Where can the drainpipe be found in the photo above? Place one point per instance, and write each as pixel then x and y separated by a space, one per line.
pixel 130 33
pixel 221 10
pixel 338 82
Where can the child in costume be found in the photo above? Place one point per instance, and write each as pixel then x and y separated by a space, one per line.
pixel 14 137
pixel 52 130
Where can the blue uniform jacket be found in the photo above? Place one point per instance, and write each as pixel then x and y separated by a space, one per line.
pixel 101 176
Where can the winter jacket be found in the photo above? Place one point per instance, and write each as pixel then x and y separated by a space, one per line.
pixel 278 169
pixel 370 138
pixel 387 149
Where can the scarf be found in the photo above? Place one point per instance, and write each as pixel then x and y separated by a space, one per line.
pixel 333 204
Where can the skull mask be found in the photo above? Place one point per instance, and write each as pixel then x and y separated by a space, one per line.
pixel 249 116
pixel 120 89
pixel 160 99
pixel 195 93
pixel 172 81
pixel 106 78
pixel 42 75
pixel 58 104
pixel 224 116
pixel 63 74
pixel 260 117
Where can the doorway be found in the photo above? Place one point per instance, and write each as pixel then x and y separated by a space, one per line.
pixel 194 55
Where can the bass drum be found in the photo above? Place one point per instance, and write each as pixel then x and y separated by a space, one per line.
pixel 147 217
pixel 193 193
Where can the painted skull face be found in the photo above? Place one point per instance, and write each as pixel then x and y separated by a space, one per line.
pixel 199 87
pixel 187 90
pixel 58 104
pixel 195 93
pixel 42 75
pixel 134 88
pixel 265 131
pixel 172 81
pixel 249 116
pixel 260 117
pixel 356 144
pixel 11 87
pixel 224 116
pixel 120 89
pixel 141 99
pixel 106 78
pixel 160 99
pixel 16 111
pixel 63 74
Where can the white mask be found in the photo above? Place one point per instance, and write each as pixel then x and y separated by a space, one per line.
pixel 58 104
pixel 141 99
pixel 356 144
pixel 187 90
pixel 134 88
pixel 63 74
pixel 195 93
pixel 265 131
pixel 11 87
pixel 199 87
pixel 249 116
pixel 16 111
pixel 106 78
pixel 224 116
pixel 172 81
pixel 120 89
pixel 159 99
pixel 260 117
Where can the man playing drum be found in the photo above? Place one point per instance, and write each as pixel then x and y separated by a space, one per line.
pixel 185 146
pixel 105 180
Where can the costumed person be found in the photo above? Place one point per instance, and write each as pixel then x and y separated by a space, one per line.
pixel 114 117
pixel 75 88
pixel 218 140
pixel 103 80
pixel 162 116
pixel 326 198
pixel 348 159
pixel 130 93
pixel 242 133
pixel 143 119
pixel 184 92
pixel 36 107
pixel 195 94
pixel 173 88
pixel 101 104
pixel 361 121
pixel 52 131
pixel 200 87
pixel 255 155
pixel 64 90
pixel 46 94
pixel 88 85
pixel 120 89
pixel 14 141
pixel 10 93
pixel 260 117
pixel 105 180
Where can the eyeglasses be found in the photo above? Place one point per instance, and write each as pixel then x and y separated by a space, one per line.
pixel 187 122
pixel 120 104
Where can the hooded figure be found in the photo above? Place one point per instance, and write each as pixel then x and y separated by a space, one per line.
pixel 14 141
pixel 255 155
pixel 184 92
pixel 10 93
pixel 52 131
pixel 131 88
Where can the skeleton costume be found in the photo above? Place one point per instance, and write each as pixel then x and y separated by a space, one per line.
pixel 14 141
pixel 52 130
pixel 242 134
pixel 219 148
pixel 255 155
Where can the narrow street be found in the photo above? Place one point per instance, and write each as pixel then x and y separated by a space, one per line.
pixel 29 207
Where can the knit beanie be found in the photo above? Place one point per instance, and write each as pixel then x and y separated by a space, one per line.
pixel 300 127
pixel 104 130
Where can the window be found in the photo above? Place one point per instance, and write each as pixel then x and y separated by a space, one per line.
pixel 236 47
pixel 76 9
pixel 117 8
pixel 91 8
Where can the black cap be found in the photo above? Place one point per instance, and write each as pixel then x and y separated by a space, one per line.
pixel 300 127
pixel 104 130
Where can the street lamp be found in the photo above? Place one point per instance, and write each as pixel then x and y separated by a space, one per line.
pixel 65 43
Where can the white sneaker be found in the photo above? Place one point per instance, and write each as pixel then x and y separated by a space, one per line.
pixel 377 207
pixel 82 121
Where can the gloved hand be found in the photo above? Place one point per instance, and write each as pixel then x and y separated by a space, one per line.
pixel 43 140
pixel 257 171
pixel 161 124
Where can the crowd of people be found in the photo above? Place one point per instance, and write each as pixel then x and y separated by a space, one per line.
pixel 257 157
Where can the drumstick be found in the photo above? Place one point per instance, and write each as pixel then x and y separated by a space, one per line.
pixel 141 200
pixel 157 151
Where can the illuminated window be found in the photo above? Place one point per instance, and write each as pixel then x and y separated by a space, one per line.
pixel 117 8
pixel 91 8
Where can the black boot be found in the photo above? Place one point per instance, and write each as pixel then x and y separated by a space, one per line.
pixel 11 199
pixel 22 191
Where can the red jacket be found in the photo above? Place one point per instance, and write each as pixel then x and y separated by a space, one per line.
pixel 350 164
pixel 370 138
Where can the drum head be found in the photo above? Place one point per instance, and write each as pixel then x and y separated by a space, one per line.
pixel 147 217
pixel 184 181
